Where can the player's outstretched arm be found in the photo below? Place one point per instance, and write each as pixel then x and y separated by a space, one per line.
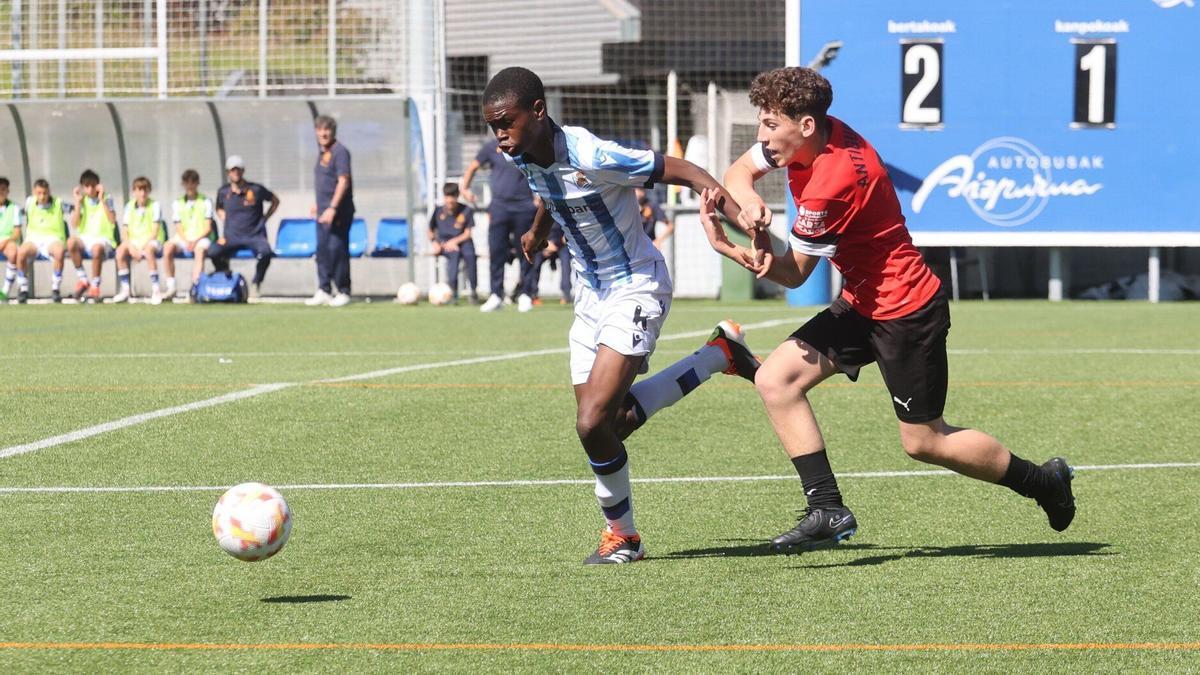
pixel 792 269
pixel 739 180
pixel 757 260
pixel 682 172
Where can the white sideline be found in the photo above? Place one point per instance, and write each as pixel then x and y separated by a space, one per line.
pixel 1081 351
pixel 144 417
pixel 247 355
pixel 545 483
pixel 133 420
pixel 520 355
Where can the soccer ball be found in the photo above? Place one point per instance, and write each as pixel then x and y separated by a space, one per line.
pixel 440 293
pixel 409 294
pixel 251 522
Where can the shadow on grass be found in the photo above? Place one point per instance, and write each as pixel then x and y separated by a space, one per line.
pixel 883 554
pixel 993 551
pixel 300 599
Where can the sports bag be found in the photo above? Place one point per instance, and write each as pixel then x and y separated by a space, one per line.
pixel 220 287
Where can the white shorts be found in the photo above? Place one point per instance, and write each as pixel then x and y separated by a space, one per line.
pixel 625 318
pixel 142 247
pixel 44 246
pixel 91 242
pixel 181 245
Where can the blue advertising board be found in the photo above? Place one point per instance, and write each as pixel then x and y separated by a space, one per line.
pixel 1049 122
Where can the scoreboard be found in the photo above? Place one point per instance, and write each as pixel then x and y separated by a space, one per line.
pixel 1024 123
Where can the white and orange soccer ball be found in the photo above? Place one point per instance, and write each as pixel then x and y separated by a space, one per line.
pixel 251 522
pixel 440 293
pixel 409 294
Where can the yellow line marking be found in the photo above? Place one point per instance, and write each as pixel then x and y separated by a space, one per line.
pixel 551 647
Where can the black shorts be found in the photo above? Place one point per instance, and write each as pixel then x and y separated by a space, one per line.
pixel 910 351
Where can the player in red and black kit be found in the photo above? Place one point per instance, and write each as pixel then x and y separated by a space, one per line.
pixel 892 311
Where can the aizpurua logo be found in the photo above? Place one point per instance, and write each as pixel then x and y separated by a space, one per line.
pixel 1007 181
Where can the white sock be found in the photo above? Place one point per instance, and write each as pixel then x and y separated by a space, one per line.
pixel 10 273
pixel 22 280
pixel 677 380
pixel 614 493
pixel 56 281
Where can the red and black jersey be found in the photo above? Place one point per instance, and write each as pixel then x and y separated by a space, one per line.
pixel 847 211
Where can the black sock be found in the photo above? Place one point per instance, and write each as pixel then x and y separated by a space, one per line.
pixel 1026 478
pixel 820 487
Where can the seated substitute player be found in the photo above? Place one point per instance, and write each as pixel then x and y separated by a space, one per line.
pixel 586 185
pixel 194 231
pixel 10 237
pixel 892 311
pixel 450 235
pixel 141 239
pixel 45 236
pixel 95 225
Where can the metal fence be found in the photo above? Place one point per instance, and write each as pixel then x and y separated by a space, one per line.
pixel 215 48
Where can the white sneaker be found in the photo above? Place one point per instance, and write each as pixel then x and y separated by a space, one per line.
pixel 156 298
pixel 524 303
pixel 494 303
pixel 340 300
pixel 319 298
pixel 122 295
pixel 170 288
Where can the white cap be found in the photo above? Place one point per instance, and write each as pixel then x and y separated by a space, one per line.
pixel 234 162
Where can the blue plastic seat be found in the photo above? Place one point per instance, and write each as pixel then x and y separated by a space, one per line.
pixel 297 238
pixel 391 238
pixel 358 238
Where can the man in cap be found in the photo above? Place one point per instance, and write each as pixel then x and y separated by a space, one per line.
pixel 240 208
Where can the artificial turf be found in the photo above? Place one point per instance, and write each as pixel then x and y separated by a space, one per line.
pixel 375 576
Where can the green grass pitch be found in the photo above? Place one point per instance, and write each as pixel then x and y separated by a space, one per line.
pixel 376 577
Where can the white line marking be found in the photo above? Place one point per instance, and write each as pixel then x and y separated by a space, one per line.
pixel 138 419
pixel 268 388
pixel 214 355
pixel 520 355
pixel 1120 351
pixel 548 483
pixel 440 364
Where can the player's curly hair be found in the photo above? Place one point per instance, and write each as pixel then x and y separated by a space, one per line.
pixel 520 83
pixel 792 91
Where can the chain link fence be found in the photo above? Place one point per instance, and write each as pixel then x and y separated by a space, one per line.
pixel 209 48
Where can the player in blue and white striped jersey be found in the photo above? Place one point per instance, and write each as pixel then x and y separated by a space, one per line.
pixel 586 185
pixel 586 189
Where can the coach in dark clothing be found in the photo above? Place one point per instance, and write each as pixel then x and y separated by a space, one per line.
pixel 334 211
pixel 450 235
pixel 510 215
pixel 240 207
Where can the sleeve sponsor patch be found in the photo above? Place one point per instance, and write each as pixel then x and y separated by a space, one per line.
pixel 809 223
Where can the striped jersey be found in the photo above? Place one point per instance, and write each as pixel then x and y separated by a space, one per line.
pixel 589 191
